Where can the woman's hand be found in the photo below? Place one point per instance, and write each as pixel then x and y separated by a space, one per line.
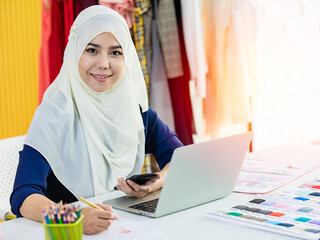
pixel 96 221
pixel 131 188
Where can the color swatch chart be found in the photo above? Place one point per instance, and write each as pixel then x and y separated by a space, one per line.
pixel 269 169
pixel 294 212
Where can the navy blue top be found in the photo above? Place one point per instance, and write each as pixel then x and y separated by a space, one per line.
pixel 34 174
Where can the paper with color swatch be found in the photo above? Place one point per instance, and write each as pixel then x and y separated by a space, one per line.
pixel 269 169
pixel 294 212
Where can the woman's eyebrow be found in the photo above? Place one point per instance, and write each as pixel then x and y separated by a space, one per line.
pixel 94 45
pixel 98 46
pixel 116 47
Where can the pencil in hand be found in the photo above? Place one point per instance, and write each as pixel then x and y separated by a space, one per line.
pixel 96 206
pixel 123 230
pixel 90 203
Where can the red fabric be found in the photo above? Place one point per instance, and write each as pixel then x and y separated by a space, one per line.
pixel 180 93
pixel 80 5
pixel 52 44
pixel 57 19
pixel 56 42
pixel 68 11
pixel 44 73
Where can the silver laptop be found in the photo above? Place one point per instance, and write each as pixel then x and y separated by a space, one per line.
pixel 198 173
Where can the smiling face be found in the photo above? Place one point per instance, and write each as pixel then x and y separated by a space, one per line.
pixel 101 64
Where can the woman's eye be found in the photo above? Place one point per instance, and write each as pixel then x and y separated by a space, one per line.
pixel 116 53
pixel 91 50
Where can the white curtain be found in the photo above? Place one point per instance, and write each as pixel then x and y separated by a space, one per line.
pixel 229 33
pixel 264 66
pixel 288 44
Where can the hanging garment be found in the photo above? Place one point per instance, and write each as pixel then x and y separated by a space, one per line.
pixel 57 18
pixel 169 38
pixel 68 13
pixel 57 39
pixel 142 7
pixel 160 99
pixel 124 7
pixel 192 26
pixel 227 99
pixel 180 93
pixel 147 25
pixel 80 5
pixel 44 68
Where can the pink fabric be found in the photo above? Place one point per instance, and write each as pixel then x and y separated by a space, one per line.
pixel 44 66
pixel 124 7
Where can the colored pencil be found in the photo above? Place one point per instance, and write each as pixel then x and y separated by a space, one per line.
pixel 90 204
pixel 9 216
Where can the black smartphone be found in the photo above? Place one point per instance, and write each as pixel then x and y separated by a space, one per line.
pixel 142 178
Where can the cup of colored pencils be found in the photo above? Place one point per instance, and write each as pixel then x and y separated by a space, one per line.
pixel 62 222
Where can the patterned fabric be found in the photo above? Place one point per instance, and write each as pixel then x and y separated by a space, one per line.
pixel 168 32
pixel 180 92
pixel 142 6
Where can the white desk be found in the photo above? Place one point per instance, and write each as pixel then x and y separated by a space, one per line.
pixel 188 224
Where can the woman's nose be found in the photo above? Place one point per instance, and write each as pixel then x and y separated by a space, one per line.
pixel 104 62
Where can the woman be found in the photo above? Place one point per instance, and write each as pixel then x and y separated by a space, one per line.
pixel 93 126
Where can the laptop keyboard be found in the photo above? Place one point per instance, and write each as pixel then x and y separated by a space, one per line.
pixel 148 206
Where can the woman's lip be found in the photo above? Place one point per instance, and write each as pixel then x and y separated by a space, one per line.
pixel 100 77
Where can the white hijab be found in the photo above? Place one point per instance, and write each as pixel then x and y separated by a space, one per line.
pixel 90 139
